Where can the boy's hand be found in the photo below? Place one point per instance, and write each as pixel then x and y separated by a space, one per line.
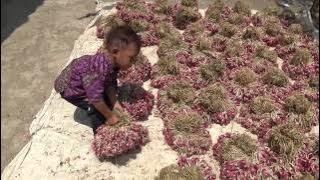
pixel 118 106
pixel 112 120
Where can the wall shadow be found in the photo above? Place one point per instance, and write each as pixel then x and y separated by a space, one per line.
pixel 14 13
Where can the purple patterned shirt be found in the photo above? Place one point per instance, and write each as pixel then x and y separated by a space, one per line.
pixel 86 78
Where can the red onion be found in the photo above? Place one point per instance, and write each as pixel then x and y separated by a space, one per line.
pixel 136 101
pixel 202 164
pixel 111 142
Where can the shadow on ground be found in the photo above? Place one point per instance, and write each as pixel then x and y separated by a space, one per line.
pixel 122 160
pixel 14 13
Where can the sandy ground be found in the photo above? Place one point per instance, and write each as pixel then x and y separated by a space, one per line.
pixel 35 48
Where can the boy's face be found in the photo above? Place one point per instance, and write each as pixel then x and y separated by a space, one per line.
pixel 126 56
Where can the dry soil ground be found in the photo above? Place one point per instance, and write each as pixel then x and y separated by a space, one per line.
pixel 37 37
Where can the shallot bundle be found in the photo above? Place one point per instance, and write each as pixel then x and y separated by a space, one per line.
pixel 261 114
pixel 129 10
pixel 203 166
pixel 137 74
pixel 214 101
pixel 186 134
pixel 186 15
pixel 136 101
pixel 112 141
pixel 149 38
pixel 242 169
pixel 232 147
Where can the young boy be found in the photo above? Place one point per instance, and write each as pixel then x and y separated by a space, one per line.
pixel 90 82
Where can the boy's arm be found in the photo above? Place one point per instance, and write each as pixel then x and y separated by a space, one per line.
pixel 93 83
pixel 112 94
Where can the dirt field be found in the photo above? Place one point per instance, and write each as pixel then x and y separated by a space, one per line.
pixel 36 41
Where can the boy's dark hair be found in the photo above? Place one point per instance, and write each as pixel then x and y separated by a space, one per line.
pixel 120 37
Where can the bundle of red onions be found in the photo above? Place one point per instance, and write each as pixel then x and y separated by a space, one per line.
pixel 261 123
pixel 231 147
pixel 136 101
pixel 193 144
pixel 185 15
pixel 194 76
pixel 137 74
pixel 220 43
pixel 202 164
pixel 258 88
pixel 217 151
pixel 242 94
pixel 256 20
pixel 201 27
pixel 269 164
pixel 307 162
pixel 169 71
pixel 162 81
pixel 149 38
pixel 128 14
pixel 242 169
pixel 133 10
pixel 271 40
pixel 302 72
pixel 185 57
pixel 233 167
pixel 278 94
pixel 224 118
pixel 226 11
pixel 284 52
pixel 185 131
pixel 236 62
pixel 112 141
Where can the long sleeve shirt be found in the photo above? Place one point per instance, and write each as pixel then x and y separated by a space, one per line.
pixel 86 78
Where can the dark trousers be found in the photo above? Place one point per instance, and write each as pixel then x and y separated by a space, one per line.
pixel 97 119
